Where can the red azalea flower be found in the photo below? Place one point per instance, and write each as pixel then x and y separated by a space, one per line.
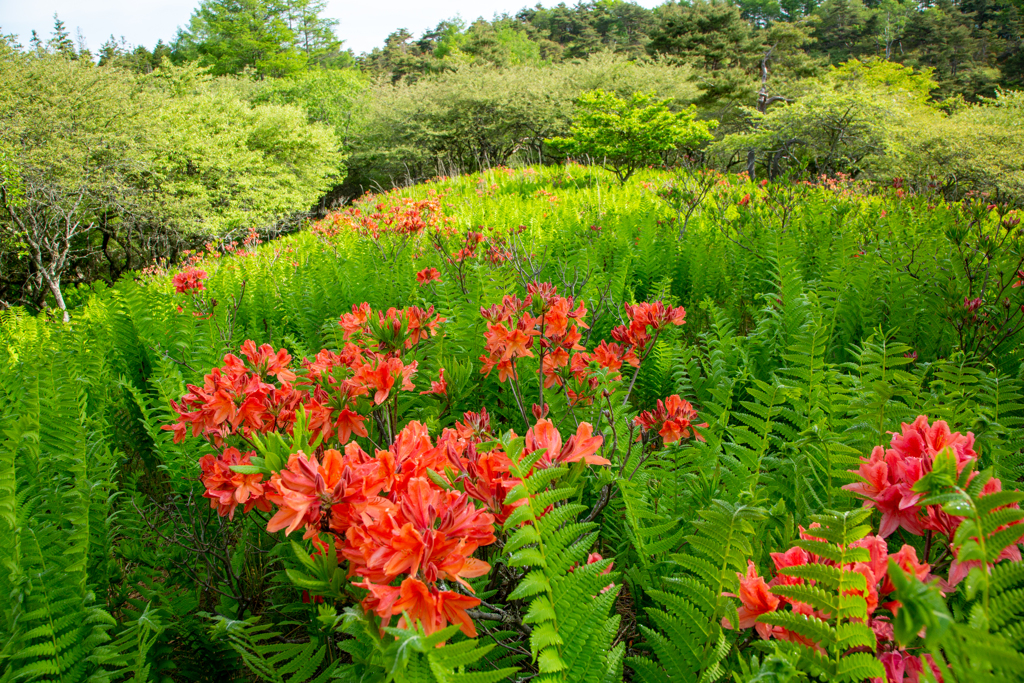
pixel 189 280
pixel 428 275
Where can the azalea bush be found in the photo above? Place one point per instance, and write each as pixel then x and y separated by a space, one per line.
pixel 407 520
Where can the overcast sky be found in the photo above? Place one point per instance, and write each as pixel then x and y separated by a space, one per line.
pixel 364 23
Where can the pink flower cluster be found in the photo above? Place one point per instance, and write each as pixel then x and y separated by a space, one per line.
pixel 189 280
pixel 888 477
pixel 757 598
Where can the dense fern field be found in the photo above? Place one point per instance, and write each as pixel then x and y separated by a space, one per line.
pixel 533 424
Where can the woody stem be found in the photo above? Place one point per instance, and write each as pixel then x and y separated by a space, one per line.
pixel 636 374
pixel 515 394
pixel 540 369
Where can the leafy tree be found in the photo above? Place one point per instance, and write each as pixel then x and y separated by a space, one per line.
pixel 845 29
pixel 273 38
pixel 221 164
pixel 588 27
pixel 401 57
pixel 104 170
pixel 328 96
pixel 475 116
pixel 73 155
pixel 846 123
pixel 977 148
pixel 314 35
pixel 891 24
pixel 715 41
pixel 709 36
pixel 501 43
pixel 138 59
pixel 625 135
pixel 887 76
pixel 944 38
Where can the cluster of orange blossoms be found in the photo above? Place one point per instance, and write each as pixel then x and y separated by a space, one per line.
pixel 389 215
pixel 428 275
pixel 673 420
pixel 391 521
pixel 551 324
pixel 887 479
pixel 262 393
pixel 401 533
pixel 646 320
pixel 757 599
pixel 492 249
pixel 408 518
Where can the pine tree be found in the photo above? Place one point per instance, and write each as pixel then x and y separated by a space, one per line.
pixel 60 40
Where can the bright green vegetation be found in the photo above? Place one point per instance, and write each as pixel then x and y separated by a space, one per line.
pixel 819 317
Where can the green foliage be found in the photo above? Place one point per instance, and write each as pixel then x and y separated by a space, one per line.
pixel 476 117
pixel 572 632
pixel 274 38
pixel 689 642
pixel 624 135
pixel 270 661
pixel 986 643
pixel 836 591
pixel 101 161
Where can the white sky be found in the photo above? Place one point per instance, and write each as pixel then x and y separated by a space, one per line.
pixel 364 23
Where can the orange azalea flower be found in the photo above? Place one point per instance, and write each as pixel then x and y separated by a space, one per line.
pixel 582 445
pixel 558 358
pixel 487 363
pixel 610 356
pixel 487 479
pixel 506 370
pixel 189 280
pixel 420 604
pixel 354 322
pixel 433 609
pixel 906 558
pixel 296 491
pixel 378 379
pixel 227 489
pixel 673 419
pixel 266 362
pixel 440 387
pixel 306 489
pixel 451 608
pixel 381 600
pixel 756 600
pixel 517 343
pixel 428 275
pixel 349 423
pixel 420 325
pixel 888 475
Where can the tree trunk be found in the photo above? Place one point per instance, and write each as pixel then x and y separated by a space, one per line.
pixel 55 289
pixel 762 107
